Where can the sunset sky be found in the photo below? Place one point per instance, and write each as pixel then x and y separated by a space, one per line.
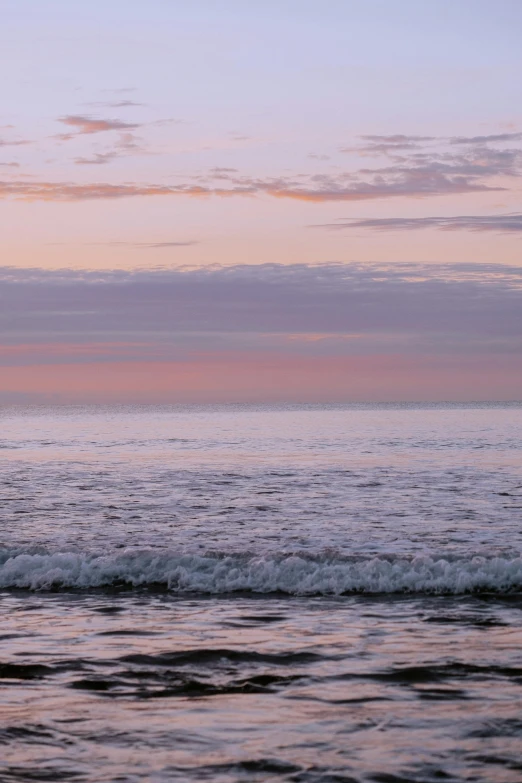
pixel 222 200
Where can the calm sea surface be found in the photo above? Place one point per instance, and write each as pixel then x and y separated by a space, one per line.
pixel 236 593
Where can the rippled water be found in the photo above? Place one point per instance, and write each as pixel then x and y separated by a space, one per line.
pixel 238 593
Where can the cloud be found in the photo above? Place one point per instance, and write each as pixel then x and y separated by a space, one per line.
pixel 427 165
pixel 391 144
pixel 396 138
pixel 128 144
pixel 384 183
pixel 115 104
pixel 413 171
pixel 98 158
pixel 15 143
pixel 141 245
pixel 387 144
pixel 511 223
pixel 387 183
pixel 124 104
pixel 70 191
pixel 330 332
pixel 491 139
pixel 88 125
pixel 420 309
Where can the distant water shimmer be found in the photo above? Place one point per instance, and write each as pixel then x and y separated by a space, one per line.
pixel 240 593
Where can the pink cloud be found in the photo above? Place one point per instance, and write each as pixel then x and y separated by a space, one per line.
pixel 87 125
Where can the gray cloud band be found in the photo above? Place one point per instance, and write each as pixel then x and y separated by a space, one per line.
pixel 425 308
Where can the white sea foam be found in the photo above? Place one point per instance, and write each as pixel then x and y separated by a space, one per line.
pixel 291 574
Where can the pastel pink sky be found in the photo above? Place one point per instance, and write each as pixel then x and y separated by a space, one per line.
pixel 379 136
pixel 266 378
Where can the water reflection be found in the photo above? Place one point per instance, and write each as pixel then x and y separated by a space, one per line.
pixel 150 687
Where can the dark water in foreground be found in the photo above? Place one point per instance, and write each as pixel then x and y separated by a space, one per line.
pixel 239 594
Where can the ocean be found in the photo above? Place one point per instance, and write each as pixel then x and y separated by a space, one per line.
pixel 230 593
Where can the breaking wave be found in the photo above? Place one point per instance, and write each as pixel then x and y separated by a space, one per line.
pixel 293 574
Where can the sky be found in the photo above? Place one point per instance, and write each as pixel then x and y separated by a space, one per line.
pixel 287 200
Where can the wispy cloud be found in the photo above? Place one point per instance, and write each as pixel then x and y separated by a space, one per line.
pixel 411 171
pixel 14 143
pixel 70 191
pixel 127 144
pixel 373 144
pixel 138 245
pixel 511 223
pixel 316 156
pixel 383 183
pixel 492 138
pixel 115 104
pixel 97 159
pixel 399 143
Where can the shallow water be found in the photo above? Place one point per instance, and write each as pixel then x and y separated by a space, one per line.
pixel 234 593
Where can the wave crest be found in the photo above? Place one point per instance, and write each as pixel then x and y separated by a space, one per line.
pixel 291 574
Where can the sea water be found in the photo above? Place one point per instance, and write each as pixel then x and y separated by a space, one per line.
pixel 241 593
